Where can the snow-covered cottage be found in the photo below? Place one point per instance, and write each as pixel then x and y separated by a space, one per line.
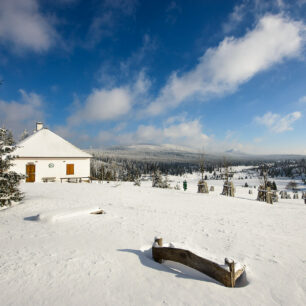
pixel 46 156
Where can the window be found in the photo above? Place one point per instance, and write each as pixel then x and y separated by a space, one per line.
pixel 69 169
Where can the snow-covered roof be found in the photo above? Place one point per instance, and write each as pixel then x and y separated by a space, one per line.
pixel 45 143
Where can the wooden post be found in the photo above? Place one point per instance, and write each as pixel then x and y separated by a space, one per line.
pixel 156 256
pixel 159 241
pixel 269 195
pixel 231 265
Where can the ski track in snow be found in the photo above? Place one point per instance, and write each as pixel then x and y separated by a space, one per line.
pixel 106 259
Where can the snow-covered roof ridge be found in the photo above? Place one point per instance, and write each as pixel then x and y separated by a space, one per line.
pixel 45 143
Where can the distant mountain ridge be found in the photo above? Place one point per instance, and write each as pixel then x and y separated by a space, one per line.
pixel 175 153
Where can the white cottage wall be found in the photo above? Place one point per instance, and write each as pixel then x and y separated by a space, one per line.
pixel 42 169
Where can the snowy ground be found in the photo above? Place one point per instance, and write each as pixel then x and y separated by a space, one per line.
pixel 66 256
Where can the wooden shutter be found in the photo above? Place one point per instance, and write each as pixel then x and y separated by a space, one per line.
pixel 69 169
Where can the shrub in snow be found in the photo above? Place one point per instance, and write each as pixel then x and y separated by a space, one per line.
pixel 292 185
pixel 177 187
pixel 158 181
pixel 283 194
pixel 137 182
pixel 274 196
pixel 9 180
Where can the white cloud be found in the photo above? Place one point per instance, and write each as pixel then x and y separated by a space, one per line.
pixel 22 25
pixel 302 100
pixel 235 17
pixel 101 26
pixel 276 123
pixel 301 2
pixel 229 134
pixel 103 105
pixel 107 19
pixel 109 104
pixel 236 60
pixel 114 72
pixel 20 115
pixel 74 136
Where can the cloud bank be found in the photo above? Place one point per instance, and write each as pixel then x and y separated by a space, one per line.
pixel 235 61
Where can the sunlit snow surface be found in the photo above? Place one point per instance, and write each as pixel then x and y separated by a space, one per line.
pixel 54 252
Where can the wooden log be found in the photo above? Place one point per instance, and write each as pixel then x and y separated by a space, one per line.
pixel 210 268
pixel 98 212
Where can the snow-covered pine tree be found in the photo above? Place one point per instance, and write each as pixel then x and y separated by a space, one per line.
pixel 9 180
pixel 158 181
pixel 24 135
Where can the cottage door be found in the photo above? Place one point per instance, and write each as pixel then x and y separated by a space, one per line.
pixel 30 169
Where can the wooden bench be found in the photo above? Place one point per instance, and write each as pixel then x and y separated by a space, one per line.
pixel 48 179
pixel 226 275
pixel 76 179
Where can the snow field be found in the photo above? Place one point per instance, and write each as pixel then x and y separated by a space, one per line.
pixel 106 259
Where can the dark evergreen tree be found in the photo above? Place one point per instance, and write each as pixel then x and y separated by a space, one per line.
pixel 274 187
pixel 9 180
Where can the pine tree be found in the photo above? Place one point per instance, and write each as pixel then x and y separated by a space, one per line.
pixel 157 180
pixel 274 187
pixel 9 180
pixel 24 135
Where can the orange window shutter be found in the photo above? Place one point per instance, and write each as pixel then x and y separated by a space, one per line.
pixel 69 169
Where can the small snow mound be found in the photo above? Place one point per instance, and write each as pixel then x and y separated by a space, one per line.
pixel 62 215
pixel 156 245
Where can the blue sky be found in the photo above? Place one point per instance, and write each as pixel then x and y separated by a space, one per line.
pixel 212 75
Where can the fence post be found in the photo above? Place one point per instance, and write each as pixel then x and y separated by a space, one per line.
pixel 231 265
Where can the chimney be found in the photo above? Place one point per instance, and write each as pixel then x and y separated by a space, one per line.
pixel 39 126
